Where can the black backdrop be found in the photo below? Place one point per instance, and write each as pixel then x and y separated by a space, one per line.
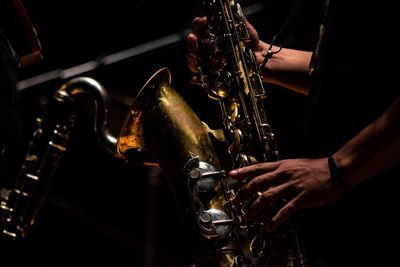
pixel 100 210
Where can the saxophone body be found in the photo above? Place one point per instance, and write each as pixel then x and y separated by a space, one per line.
pixel 163 125
pixel 20 204
pixel 229 74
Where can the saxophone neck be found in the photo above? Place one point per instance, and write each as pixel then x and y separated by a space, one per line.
pixel 88 86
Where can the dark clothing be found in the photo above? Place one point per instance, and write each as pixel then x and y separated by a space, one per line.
pixel 352 86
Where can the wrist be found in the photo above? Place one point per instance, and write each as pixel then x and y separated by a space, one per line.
pixel 337 175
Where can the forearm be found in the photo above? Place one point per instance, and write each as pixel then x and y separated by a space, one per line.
pixel 288 68
pixel 373 150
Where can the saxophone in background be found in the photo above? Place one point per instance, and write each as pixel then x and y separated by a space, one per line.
pixel 20 205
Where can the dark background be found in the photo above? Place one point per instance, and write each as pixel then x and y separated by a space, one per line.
pixel 101 210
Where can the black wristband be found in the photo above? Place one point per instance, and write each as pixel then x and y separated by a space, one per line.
pixel 336 174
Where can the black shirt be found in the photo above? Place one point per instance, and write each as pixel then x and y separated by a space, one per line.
pixel 352 85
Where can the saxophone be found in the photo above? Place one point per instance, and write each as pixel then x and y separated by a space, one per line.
pixel 163 125
pixel 229 74
pixel 20 204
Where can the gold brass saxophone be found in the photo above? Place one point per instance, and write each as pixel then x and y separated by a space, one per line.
pixel 229 74
pixel 162 124
pixel 20 204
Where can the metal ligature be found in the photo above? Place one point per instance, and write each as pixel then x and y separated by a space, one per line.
pixel 20 204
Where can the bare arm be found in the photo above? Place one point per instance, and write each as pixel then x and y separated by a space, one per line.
pixel 373 150
pixel 288 68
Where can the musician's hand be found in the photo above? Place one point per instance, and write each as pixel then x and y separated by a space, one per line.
pixel 198 23
pixel 301 183
pixel 260 48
